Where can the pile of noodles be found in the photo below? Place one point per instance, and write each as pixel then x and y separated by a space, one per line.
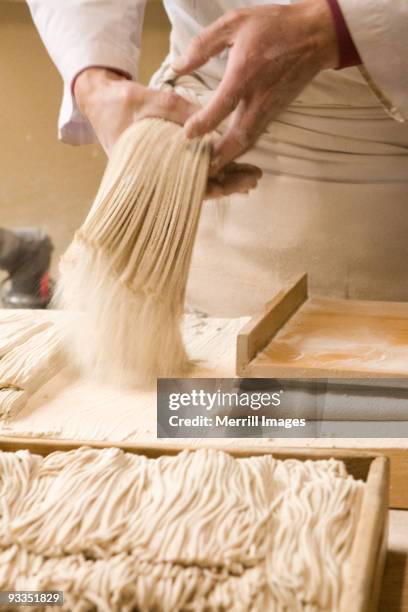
pixel 197 531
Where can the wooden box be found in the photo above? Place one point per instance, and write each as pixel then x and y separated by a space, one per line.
pixel 368 554
pixel 296 336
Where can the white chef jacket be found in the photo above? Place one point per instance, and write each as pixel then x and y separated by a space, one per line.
pixel 81 33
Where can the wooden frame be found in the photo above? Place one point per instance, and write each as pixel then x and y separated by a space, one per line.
pixel 370 544
pixel 368 554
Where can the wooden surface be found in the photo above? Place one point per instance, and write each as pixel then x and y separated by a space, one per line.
pixel 369 548
pixel 326 337
pixel 398 475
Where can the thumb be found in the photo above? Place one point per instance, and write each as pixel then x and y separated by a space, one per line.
pixel 204 46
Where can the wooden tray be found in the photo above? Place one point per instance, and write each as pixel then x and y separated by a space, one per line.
pixel 296 336
pixel 362 590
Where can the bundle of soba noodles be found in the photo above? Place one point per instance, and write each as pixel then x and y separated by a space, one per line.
pixel 123 278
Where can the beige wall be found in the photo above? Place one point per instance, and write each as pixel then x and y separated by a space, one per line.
pixel 44 182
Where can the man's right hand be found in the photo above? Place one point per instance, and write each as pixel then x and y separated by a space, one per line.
pixel 112 103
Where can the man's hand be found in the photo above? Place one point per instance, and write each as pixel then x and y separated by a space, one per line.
pixel 274 52
pixel 112 103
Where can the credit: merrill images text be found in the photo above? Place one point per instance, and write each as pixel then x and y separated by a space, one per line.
pixel 227 421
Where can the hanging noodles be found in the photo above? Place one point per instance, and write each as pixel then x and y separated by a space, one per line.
pixel 126 269
pixel 198 531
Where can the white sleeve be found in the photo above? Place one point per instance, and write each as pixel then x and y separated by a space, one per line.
pixel 82 33
pixel 379 29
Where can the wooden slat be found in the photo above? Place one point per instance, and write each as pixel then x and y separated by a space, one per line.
pixel 368 552
pixel 380 567
pixel 398 457
pixel 256 334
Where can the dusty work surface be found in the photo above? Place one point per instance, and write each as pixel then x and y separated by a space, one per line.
pixel 73 408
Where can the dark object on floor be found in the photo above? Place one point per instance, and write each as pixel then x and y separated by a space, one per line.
pixel 25 254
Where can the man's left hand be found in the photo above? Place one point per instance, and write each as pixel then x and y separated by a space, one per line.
pixel 274 52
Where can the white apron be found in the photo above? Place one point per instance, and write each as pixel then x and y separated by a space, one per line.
pixel 333 202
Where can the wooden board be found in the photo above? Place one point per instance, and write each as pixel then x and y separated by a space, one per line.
pixel 263 326
pixel 301 337
pixel 368 552
pixel 398 458
pixel 369 548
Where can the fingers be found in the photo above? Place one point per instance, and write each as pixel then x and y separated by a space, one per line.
pixel 224 101
pixel 213 191
pixel 250 169
pixel 211 41
pixel 235 178
pixel 252 116
pixel 232 183
pixel 247 123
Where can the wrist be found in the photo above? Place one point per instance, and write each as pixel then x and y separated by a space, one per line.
pixel 321 33
pixel 88 83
